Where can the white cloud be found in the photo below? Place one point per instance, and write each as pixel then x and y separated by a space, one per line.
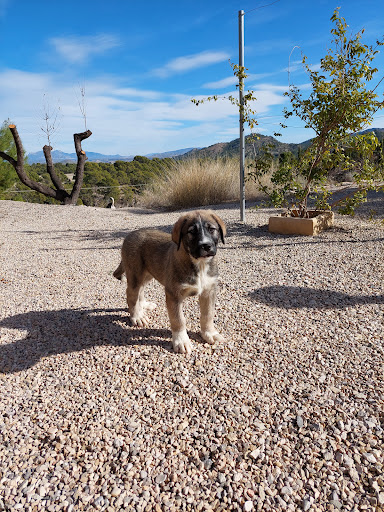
pixel 233 80
pixel 221 84
pixel 293 66
pixel 269 87
pixel 189 62
pixel 123 120
pixel 265 98
pixel 297 66
pixel 79 49
pixel 315 67
pixel 136 93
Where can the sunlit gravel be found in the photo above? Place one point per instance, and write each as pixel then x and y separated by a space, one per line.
pixel 287 414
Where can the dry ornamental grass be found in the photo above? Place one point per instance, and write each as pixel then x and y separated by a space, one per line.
pixel 194 183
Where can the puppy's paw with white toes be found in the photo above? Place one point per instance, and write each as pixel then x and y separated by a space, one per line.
pixel 181 343
pixel 139 321
pixel 212 337
pixel 149 306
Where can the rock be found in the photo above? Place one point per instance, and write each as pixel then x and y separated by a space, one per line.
pixel 118 443
pixel 339 457
pixel 115 491
pixel 99 502
pixel 336 504
pixel 161 478
pixel 307 503
pixel 370 457
pixel 255 454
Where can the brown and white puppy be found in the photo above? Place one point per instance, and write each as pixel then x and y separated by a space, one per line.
pixel 184 262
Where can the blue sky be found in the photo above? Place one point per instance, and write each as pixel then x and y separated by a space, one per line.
pixel 140 63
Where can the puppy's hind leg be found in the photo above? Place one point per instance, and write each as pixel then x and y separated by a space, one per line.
pixel 136 312
pixel 137 304
pixel 145 304
pixel 118 273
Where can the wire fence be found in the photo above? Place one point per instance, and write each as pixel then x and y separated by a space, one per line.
pixel 123 195
pixel 94 188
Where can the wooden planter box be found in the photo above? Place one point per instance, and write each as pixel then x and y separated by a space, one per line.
pixel 318 221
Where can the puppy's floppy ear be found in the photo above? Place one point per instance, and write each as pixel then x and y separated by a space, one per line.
pixel 177 231
pixel 222 228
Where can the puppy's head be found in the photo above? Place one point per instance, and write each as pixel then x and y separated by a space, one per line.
pixel 199 233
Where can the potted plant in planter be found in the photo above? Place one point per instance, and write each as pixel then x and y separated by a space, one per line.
pixel 338 107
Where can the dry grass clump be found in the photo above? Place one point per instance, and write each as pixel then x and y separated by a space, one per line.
pixel 195 183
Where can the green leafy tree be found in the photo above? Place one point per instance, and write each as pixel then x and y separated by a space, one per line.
pixel 338 107
pixel 99 185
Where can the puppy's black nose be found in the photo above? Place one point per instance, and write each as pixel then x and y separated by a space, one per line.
pixel 206 247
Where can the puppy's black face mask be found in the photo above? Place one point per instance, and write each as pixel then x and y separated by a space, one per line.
pixel 201 238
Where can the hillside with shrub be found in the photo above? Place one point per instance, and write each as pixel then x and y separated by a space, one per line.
pixel 256 144
pixel 198 177
pixel 121 180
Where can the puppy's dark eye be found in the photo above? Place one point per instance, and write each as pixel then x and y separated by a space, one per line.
pixel 212 229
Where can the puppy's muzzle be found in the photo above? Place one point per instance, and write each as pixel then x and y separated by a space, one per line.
pixel 206 249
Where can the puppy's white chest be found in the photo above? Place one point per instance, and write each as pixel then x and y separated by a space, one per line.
pixel 203 282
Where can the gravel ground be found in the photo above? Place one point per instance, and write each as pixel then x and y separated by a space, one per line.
pixel 95 415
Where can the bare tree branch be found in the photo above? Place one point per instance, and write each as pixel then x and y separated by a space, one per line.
pixel 8 158
pixel 81 159
pixel 51 169
pixel 59 193
pixel 82 105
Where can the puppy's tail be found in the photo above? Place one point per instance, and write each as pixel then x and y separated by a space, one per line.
pixel 119 271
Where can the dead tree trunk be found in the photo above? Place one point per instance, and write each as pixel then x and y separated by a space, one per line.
pixel 58 191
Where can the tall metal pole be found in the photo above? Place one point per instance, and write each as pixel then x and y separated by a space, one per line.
pixel 241 101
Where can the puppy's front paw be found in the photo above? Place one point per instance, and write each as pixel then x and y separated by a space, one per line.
pixel 139 321
pixel 181 343
pixel 212 337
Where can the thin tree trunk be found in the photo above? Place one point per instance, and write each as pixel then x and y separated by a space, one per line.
pixel 51 169
pixel 81 159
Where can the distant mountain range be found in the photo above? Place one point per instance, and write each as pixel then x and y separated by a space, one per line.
pixel 170 154
pixel 60 156
pixel 254 145
pixel 221 149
